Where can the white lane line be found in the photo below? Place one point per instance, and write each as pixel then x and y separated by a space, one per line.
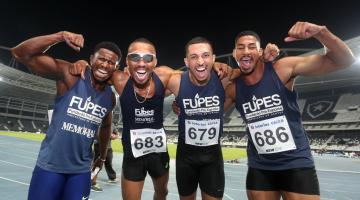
pixel 11 180
pixel 16 155
pixel 18 165
pixel 35 153
pixel 227 196
pixel 337 171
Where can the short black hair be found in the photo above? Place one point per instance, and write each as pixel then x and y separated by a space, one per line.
pixel 246 33
pixel 109 46
pixel 197 40
pixel 143 40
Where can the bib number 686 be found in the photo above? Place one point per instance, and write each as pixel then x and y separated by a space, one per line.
pixel 269 138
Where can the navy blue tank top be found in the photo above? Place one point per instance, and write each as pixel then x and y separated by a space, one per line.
pixel 77 116
pixel 141 114
pixel 277 139
pixel 201 114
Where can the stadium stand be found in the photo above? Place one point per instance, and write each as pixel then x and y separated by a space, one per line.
pixel 329 105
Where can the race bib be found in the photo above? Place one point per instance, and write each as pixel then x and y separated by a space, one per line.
pixel 272 135
pixel 202 132
pixel 145 141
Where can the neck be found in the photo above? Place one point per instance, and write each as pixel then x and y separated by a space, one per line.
pixel 97 85
pixel 198 82
pixel 144 91
pixel 255 76
pixel 142 86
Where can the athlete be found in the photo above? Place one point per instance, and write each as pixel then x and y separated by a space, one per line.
pixel 280 164
pixel 200 96
pixel 81 108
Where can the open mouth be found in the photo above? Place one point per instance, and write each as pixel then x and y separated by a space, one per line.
pixel 101 73
pixel 141 75
pixel 201 72
pixel 245 62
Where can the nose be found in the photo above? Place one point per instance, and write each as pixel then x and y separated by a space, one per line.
pixel 246 50
pixel 200 61
pixel 106 64
pixel 141 62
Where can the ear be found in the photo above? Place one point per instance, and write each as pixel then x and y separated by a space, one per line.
pixel 186 62
pixel 155 62
pixel 91 59
pixel 261 51
pixel 214 58
pixel 127 61
pixel 234 54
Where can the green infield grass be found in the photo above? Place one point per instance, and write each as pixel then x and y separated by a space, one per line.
pixel 228 153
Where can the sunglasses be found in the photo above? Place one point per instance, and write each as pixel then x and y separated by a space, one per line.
pixel 136 57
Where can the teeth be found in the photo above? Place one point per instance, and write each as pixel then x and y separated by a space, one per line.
pixel 141 71
pixel 245 59
pixel 141 74
pixel 200 69
pixel 247 62
pixel 102 71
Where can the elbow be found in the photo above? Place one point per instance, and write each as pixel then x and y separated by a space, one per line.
pixel 349 61
pixel 16 53
pixel 352 60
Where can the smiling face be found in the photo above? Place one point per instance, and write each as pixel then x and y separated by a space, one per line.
pixel 199 60
pixel 247 53
pixel 141 61
pixel 103 64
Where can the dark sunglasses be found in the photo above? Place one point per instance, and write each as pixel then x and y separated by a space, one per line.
pixel 136 57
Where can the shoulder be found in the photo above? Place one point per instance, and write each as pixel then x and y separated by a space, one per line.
pixel 64 75
pixel 119 80
pixel 163 71
pixel 119 77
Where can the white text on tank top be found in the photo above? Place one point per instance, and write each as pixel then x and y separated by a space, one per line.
pixel 203 132
pixel 270 135
pixel 146 140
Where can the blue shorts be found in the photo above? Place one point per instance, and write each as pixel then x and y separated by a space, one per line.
pixel 203 168
pixel 47 185
pixel 297 180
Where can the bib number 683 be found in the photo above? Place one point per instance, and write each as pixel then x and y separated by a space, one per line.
pixel 148 142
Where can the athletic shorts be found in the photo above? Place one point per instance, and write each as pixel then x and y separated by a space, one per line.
pixel 298 180
pixel 47 185
pixel 135 169
pixel 204 169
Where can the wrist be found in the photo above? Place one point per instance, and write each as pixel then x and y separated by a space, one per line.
pixel 103 160
pixel 60 36
pixel 322 33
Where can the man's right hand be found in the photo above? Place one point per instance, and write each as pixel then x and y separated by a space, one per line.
pixel 75 41
pixel 175 108
pixel 79 68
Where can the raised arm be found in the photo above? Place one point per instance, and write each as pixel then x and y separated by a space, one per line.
pixel 32 52
pixel 337 53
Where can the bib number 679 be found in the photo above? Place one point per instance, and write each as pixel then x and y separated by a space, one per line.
pixel 194 134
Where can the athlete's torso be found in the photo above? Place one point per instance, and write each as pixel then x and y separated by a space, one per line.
pixel 277 139
pixel 201 114
pixel 143 131
pixel 77 115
